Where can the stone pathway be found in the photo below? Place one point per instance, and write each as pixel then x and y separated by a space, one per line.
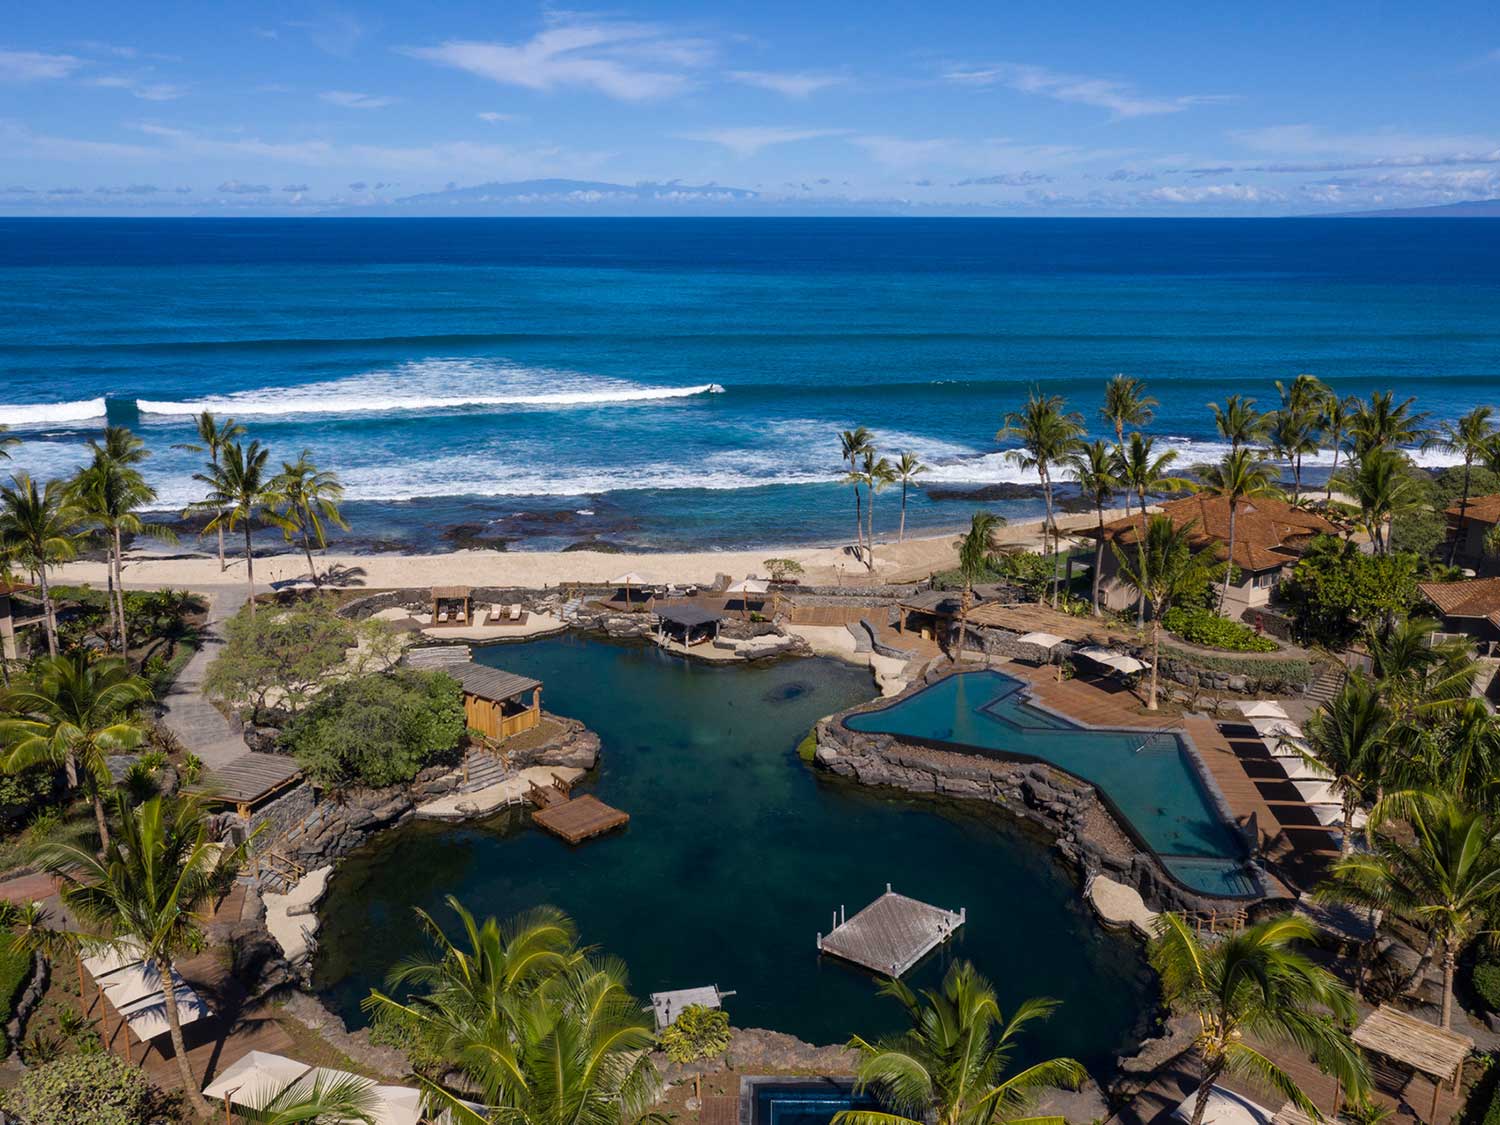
pixel 186 711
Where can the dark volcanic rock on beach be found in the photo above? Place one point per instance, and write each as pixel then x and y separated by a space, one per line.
pixel 1004 491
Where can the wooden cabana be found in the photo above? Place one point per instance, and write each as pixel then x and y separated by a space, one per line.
pixel 495 702
pixel 249 781
pixel 687 624
pixel 452 605
pixel 1418 1046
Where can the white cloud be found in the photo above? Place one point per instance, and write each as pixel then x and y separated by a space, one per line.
pixel 495 118
pixel 899 152
pixel 792 85
pixel 749 139
pixel 146 91
pixel 350 99
pixel 1119 98
pixel 628 61
pixel 1213 193
pixel 33 66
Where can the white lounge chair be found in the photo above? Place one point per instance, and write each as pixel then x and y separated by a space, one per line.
pixel 515 612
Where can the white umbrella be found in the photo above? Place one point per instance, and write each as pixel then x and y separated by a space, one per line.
pixel 258 1071
pixel 627 580
pixel 1118 661
pixel 1271 729
pixel 397 1105
pixel 1041 640
pixel 1300 769
pixel 1316 792
pixel 750 586
pixel 1224 1108
pixel 1263 709
pixel 1287 747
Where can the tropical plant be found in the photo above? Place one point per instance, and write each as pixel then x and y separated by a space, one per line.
pixel 854 444
pixel 213 437
pixel 327 1096
pixel 1126 404
pixel 1238 422
pixel 8 441
pixel 697 1032
pixel 1242 475
pixel 36 527
pixel 1348 737
pixel 976 551
pixel 1382 423
pixel 1439 867
pixel 147 894
pixel 950 1067
pixel 1143 471
pixel 876 473
pixel 1255 983
pixel 1336 591
pixel 1293 431
pixel 1472 437
pixel 907 468
pixel 781 570
pixel 1334 420
pixel 1418 675
pixel 1200 625
pixel 239 492
pixel 75 712
pixel 83 1088
pixel 1093 467
pixel 1165 567
pixel 307 500
pixel 1380 483
pixel 279 658
pixel 1048 433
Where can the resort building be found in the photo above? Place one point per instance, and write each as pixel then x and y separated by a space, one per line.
pixel 1470 609
pixel 1469 525
pixel 498 704
pixel 1269 537
pixel 8 622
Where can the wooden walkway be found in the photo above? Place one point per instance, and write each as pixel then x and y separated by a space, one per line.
pixel 892 934
pixel 580 818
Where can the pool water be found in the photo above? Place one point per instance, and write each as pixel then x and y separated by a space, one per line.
pixel 1149 777
pixel 812 1101
pixel 735 857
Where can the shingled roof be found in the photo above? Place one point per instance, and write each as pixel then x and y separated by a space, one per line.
pixel 490 683
pixel 1267 533
pixel 1480 509
pixel 1475 597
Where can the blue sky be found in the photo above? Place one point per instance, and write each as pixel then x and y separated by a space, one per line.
pixel 874 107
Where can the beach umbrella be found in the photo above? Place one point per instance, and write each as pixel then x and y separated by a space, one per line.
pixel 745 588
pixel 627 580
pixel 1263 709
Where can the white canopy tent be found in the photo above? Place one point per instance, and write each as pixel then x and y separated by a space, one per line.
pixel 1123 663
pixel 1300 769
pixel 1270 728
pixel 1317 792
pixel 750 586
pixel 148 1018
pixel 260 1076
pixel 1224 1107
pixel 1047 641
pixel 1263 709
pixel 628 579
pixel 112 959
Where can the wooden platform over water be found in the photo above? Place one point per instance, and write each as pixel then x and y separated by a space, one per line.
pixel 580 818
pixel 892 934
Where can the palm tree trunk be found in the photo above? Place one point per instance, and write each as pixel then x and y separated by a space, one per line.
pixel 119 575
pixel 963 623
pixel 70 769
pixel 1328 493
pixel 1099 558
pixel 48 610
pixel 859 526
pixel 250 567
pixel 1140 550
pixel 1052 524
pixel 1155 656
pixel 1346 840
pixel 1463 510
pixel 870 519
pixel 1296 480
pixel 901 535
pixel 223 566
pixel 1450 957
pixel 1412 981
pixel 1211 1073
pixel 1229 571
pixel 109 591
pixel 307 547
pixel 179 1048
pixel 99 819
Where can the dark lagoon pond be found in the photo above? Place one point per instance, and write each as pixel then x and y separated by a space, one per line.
pixel 735 857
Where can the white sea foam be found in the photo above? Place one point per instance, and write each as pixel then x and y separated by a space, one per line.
pixel 42 413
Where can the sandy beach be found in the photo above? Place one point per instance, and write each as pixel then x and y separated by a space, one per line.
pixel 894 562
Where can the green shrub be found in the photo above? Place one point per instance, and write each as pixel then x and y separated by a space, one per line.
pixel 1204 627
pixel 807 749
pixel 280 657
pixel 379 729
pixel 697 1033
pixel 15 971
pixel 1337 591
pixel 1487 984
pixel 83 1088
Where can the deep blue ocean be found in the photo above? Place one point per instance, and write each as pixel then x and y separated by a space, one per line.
pixel 661 382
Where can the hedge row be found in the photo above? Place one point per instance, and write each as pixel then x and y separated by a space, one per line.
pixel 1295 670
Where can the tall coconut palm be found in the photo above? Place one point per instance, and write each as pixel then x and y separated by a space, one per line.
pixel 1380 482
pixel 36 528
pixel 1419 676
pixel 1254 982
pixel 1242 475
pixel 149 893
pixel 307 499
pixel 1473 438
pixel 1048 433
pixel 109 492
pixel 1293 427
pixel 1439 867
pixel 239 493
pixel 1093 467
pixel 1145 472
pixel 854 444
pixel 1334 420
pixel 73 714
pixel 1348 737
pixel 1125 405
pixel 950 1067
pixel 907 469
pixel 975 550
pixel 213 438
pixel 1385 424
pixel 1238 422
pixel 877 473
pixel 1164 568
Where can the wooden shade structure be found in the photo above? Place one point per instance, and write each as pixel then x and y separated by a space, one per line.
pixel 462 595
pixel 494 700
pixel 1417 1044
pixel 697 623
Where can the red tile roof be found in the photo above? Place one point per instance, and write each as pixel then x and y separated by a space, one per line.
pixel 1267 533
pixel 1474 597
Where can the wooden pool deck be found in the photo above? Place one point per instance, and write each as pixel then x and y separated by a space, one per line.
pixel 580 818
pixel 892 934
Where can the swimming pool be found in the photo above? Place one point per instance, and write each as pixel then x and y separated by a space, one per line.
pixel 1148 777
pixel 797 1101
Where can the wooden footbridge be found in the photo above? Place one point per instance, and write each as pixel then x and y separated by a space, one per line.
pixel 892 934
pixel 575 819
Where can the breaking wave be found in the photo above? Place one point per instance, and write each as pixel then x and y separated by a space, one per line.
pixel 42 413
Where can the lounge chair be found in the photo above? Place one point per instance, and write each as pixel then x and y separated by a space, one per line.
pixel 443 618
pixel 495 615
pixel 515 612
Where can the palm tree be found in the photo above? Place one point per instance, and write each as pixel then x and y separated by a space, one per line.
pixel 147 893
pixel 1440 868
pixel 1048 433
pixel 1126 404
pixel 1384 424
pixel 1293 429
pixel 1380 483
pixel 76 713
pixel 1142 470
pixel 213 438
pixel 907 469
pixel 876 474
pixel 1165 567
pixel 344 1098
pixel 1238 422
pixel 975 550
pixel 1347 736
pixel 1334 421
pixel 855 444
pixel 1419 676
pixel 307 499
pixel 1242 475
pixel 950 1067
pixel 239 493
pixel 1254 982
pixel 1473 438
pixel 36 526
pixel 108 493
pixel 8 441
pixel 1093 467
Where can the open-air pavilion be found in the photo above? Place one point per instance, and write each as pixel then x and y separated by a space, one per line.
pixel 452 605
pixel 687 625
pixel 1425 1055
pixel 498 704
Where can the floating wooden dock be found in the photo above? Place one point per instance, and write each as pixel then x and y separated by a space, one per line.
pixel 667 1006
pixel 892 934
pixel 580 818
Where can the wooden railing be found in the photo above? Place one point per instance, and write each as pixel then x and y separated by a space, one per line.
pixel 515 724
pixel 1217 921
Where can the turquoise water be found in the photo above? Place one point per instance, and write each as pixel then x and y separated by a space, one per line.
pixel 735 856
pixel 1149 778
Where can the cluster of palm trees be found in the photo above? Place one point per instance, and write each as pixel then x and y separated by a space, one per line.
pixel 870 472
pixel 40 524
